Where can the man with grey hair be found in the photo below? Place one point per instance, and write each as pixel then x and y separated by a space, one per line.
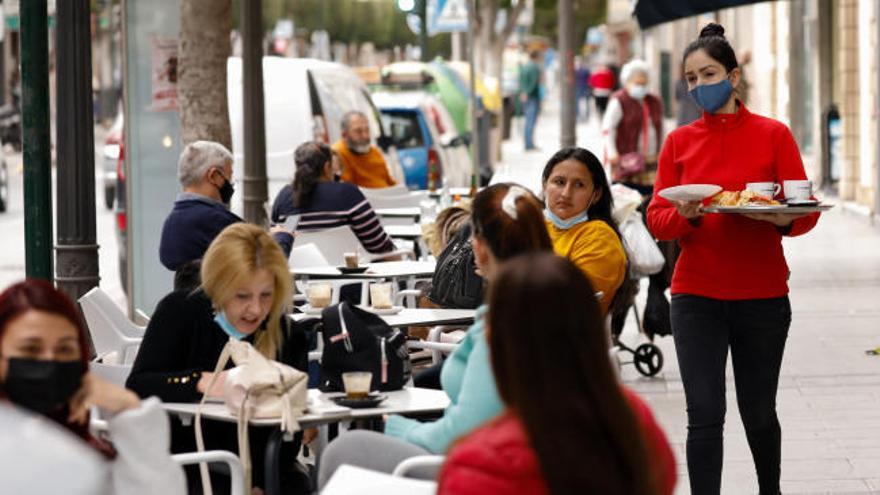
pixel 363 163
pixel 201 211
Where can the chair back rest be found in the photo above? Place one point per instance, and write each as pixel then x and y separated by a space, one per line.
pixel 110 329
pixel 305 255
pixel 395 190
pixel 331 243
pixel 113 373
pixel 398 201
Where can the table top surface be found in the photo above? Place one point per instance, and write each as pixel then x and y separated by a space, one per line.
pixel 388 269
pixel 322 410
pixel 418 317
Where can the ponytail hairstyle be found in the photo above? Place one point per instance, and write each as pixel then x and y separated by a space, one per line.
pixel 713 42
pixel 310 158
pixel 510 220
pixel 601 209
pixel 586 436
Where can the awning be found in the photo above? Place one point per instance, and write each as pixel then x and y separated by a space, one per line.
pixel 652 12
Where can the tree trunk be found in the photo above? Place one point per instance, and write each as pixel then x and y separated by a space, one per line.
pixel 201 86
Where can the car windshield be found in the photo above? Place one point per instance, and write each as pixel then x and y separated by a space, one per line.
pixel 404 129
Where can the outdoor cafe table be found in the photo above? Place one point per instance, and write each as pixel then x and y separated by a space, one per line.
pixel 321 410
pixel 413 212
pixel 418 317
pixel 390 269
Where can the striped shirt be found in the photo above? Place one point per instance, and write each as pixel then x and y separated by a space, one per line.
pixel 335 204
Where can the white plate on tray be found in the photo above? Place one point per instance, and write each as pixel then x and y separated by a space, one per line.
pixel 768 209
pixel 307 309
pixel 689 192
pixel 393 310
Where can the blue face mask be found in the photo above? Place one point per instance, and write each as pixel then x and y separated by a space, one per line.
pixel 566 224
pixel 711 97
pixel 227 327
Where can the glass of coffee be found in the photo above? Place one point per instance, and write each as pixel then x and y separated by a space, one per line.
pixel 351 260
pixel 380 295
pixel 318 294
pixel 357 384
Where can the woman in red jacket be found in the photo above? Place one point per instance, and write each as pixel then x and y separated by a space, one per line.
pixel 729 289
pixel 569 426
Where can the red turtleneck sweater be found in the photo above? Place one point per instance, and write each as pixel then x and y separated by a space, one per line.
pixel 724 256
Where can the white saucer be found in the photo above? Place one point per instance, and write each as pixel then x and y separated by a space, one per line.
pixel 393 310
pixel 689 192
pixel 307 309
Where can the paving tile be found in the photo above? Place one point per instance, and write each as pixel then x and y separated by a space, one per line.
pixel 824 486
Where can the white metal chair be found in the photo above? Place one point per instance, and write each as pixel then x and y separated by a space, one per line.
pixel 233 463
pixel 113 373
pixel 308 255
pixel 110 329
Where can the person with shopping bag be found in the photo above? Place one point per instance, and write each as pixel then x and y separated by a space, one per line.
pixel 245 291
pixel 730 285
pixel 633 129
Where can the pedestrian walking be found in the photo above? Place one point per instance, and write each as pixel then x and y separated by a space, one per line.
pixel 602 81
pixel 582 88
pixel 729 289
pixel 530 96
pixel 633 129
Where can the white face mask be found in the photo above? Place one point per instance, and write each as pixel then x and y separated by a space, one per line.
pixel 637 91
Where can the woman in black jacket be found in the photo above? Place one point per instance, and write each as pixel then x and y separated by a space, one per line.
pixel 245 292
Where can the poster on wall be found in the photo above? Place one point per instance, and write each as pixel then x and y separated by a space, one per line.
pixel 164 74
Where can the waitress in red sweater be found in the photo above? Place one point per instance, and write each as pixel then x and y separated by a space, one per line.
pixel 569 426
pixel 729 289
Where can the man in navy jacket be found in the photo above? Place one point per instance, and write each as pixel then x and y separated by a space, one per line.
pixel 201 211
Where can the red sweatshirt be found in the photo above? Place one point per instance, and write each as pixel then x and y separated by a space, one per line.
pixel 498 459
pixel 724 256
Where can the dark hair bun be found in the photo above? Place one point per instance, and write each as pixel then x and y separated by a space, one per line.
pixel 712 29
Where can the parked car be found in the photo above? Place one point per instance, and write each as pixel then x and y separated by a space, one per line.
pixel 425 136
pixel 305 100
pixel 112 145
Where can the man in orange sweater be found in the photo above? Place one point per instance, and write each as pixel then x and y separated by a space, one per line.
pixel 363 163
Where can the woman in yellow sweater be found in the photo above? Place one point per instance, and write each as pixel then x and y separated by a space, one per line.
pixel 578 211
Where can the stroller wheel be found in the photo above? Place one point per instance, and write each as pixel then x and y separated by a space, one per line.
pixel 648 359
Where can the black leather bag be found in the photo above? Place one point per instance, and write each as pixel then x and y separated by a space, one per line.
pixel 357 340
pixel 455 283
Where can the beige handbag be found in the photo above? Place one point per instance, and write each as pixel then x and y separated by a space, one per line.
pixel 255 388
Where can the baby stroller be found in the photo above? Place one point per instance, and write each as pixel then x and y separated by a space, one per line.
pixel 645 260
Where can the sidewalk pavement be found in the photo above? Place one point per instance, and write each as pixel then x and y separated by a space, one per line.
pixel 829 391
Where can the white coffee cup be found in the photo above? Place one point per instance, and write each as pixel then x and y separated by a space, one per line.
pixel 766 189
pixel 798 190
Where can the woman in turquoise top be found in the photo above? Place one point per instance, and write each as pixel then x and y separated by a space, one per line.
pixel 507 220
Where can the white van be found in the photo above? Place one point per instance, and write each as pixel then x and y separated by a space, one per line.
pixel 305 100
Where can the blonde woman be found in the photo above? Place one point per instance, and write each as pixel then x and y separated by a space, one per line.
pixel 244 295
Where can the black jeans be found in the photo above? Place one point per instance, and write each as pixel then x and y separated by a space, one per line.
pixel 755 331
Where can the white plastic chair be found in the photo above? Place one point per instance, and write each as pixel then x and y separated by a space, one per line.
pixel 396 190
pixel 334 243
pixel 236 470
pixel 420 467
pixel 113 373
pixel 438 342
pixel 398 201
pixel 110 329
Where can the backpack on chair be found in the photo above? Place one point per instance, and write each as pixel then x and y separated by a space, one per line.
pixel 358 340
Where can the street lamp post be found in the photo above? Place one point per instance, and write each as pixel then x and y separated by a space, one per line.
pixel 255 188
pixel 35 137
pixel 77 249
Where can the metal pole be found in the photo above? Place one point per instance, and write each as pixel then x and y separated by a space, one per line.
pixel 877 105
pixel 35 137
pixel 77 250
pixel 422 5
pixel 472 101
pixel 567 110
pixel 255 188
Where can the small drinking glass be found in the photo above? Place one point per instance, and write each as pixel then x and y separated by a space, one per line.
pixel 357 384
pixel 380 295
pixel 318 294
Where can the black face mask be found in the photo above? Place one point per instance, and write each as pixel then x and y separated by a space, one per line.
pixel 42 386
pixel 337 177
pixel 226 191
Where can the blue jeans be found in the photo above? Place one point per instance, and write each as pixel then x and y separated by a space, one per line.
pixel 531 108
pixel 755 331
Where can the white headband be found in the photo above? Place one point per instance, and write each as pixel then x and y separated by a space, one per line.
pixel 508 204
